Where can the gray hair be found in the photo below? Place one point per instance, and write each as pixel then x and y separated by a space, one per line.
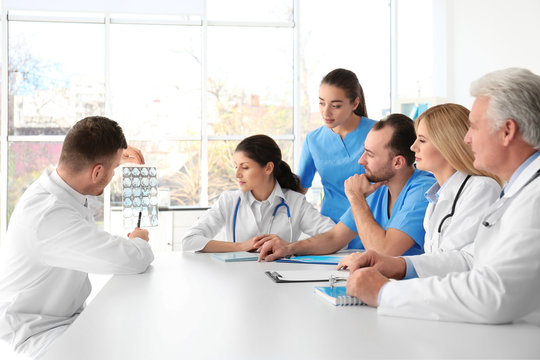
pixel 513 93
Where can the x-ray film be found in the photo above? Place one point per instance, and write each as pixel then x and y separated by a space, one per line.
pixel 139 194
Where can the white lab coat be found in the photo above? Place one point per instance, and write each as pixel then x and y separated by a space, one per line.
pixel 304 219
pixel 460 229
pixel 52 243
pixel 493 280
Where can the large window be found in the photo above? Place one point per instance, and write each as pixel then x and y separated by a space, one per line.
pixel 156 80
pixel 55 77
pixel 185 89
pixel 155 86
pixel 421 56
pixel 243 102
pixel 250 80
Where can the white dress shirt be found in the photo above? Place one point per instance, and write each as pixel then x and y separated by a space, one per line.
pixel 304 218
pixel 460 229
pixel 52 243
pixel 492 280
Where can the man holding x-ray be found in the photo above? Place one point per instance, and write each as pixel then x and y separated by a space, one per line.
pixel 52 241
pixel 495 279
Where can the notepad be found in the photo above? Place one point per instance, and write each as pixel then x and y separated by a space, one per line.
pixel 236 256
pixel 315 259
pixel 289 276
pixel 337 296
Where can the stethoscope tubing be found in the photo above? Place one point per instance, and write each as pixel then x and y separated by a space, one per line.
pixel 454 204
pixel 489 223
pixel 234 219
pixel 273 216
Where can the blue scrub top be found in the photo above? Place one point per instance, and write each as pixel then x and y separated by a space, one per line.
pixel 335 161
pixel 407 214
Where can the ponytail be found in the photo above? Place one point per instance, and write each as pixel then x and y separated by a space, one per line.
pixel 263 149
pixel 286 178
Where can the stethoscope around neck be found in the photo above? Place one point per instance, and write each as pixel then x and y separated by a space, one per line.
pixel 454 204
pixel 271 221
pixel 495 214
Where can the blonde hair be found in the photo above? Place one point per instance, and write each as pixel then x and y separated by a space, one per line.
pixel 447 125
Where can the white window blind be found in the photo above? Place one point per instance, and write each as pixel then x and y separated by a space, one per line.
pixel 169 7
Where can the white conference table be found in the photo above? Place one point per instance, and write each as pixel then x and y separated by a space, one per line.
pixel 192 306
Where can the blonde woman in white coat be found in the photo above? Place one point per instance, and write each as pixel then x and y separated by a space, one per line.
pixel 461 195
pixel 269 204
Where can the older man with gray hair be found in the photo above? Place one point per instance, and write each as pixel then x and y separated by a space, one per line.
pixel 495 279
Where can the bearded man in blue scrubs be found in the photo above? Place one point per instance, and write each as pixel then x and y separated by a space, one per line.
pixel 387 202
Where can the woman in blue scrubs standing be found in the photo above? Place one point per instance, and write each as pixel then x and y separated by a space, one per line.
pixel 333 150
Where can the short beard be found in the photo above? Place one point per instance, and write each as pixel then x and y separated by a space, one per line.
pixel 384 175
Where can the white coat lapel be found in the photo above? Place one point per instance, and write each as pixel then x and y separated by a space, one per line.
pixel 524 177
pixel 246 225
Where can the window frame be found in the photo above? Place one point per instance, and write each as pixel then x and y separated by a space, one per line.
pixel 106 20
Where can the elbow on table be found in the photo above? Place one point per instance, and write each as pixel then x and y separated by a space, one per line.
pixel 492 302
pixel 500 314
pixel 499 297
pixel 141 268
pixel 136 264
pixel 190 244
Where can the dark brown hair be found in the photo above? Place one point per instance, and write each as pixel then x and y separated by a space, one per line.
pixel 347 80
pixel 263 149
pixel 403 136
pixel 90 140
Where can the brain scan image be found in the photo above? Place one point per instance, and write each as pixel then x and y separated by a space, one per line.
pixel 139 195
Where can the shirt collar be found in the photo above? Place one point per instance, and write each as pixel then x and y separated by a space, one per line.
pixel 432 195
pixel 80 198
pixel 519 170
pixel 276 193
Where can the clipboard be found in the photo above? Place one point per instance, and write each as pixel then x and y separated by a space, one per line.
pixel 295 276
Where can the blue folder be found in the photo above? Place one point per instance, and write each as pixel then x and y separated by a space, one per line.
pixel 314 259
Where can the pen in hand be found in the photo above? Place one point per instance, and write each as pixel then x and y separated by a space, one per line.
pixel 139 221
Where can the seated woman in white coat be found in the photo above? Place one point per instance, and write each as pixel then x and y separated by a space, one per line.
pixel 268 205
pixel 462 194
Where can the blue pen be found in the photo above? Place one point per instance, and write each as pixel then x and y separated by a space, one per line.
pixel 139 221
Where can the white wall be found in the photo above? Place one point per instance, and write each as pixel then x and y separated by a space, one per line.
pixel 487 35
